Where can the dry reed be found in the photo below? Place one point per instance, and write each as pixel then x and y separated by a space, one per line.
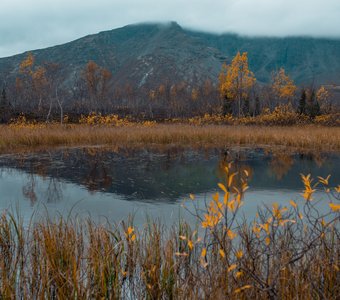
pixel 307 137
pixel 286 252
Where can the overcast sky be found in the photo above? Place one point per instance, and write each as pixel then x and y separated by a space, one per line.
pixel 31 24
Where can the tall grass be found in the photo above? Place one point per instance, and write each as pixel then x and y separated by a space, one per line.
pixel 284 253
pixel 301 137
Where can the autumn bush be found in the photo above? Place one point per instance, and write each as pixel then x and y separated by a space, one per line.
pixel 22 122
pixel 99 119
pixel 328 120
pixel 282 115
pixel 284 252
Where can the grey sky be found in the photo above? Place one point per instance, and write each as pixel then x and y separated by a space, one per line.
pixel 31 24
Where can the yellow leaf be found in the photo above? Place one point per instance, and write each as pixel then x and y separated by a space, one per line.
pixel 267 240
pixel 215 197
pixel 226 198
pixel 190 244
pixel 324 180
pixel 192 197
pixel 226 169
pixel 283 222
pixel 334 207
pixel 239 254
pixel 231 234
pixel 231 177
pixel 222 253
pixel 204 252
pixel 231 205
pixel 265 227
pixel 242 288
pixel 275 206
pixel 181 254
pixel 222 187
pixel 232 267
pixel 130 230
pixel 293 203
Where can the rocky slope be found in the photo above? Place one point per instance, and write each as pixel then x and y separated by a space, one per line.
pixel 150 54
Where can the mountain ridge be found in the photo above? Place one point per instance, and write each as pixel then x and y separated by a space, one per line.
pixel 149 54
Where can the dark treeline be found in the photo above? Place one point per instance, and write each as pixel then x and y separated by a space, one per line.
pixel 40 92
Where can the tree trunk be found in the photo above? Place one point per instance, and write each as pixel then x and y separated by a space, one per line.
pixel 60 104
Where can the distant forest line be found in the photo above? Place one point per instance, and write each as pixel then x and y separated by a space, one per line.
pixel 40 93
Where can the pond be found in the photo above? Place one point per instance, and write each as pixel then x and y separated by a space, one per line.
pixel 113 184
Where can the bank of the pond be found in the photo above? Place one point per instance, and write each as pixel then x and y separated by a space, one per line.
pixel 313 138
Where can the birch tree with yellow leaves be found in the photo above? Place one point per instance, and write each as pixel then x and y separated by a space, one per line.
pixel 283 86
pixel 323 97
pixel 24 82
pixel 236 80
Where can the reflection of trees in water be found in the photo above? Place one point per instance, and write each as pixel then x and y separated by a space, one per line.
pixel 28 190
pixel 54 192
pixel 280 164
pixel 98 177
pixel 6 171
pixel 41 168
pixel 143 174
pixel 318 158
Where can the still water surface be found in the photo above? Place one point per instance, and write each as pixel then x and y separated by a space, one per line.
pixel 106 184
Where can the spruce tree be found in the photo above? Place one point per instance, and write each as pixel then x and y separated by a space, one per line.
pixel 4 107
pixel 246 106
pixel 313 107
pixel 317 109
pixel 227 106
pixel 257 106
pixel 302 102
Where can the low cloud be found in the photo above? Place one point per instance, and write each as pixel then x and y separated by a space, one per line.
pixel 31 24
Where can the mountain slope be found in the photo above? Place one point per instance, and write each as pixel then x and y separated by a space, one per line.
pixel 151 54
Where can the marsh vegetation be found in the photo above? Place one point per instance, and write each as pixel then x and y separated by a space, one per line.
pixel 283 251
pixel 46 136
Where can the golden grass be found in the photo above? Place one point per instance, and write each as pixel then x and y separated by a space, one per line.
pixel 309 137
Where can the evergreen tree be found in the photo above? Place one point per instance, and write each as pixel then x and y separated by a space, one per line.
pixel 4 107
pixel 227 106
pixel 313 107
pixel 302 102
pixel 246 106
pixel 257 106
pixel 316 108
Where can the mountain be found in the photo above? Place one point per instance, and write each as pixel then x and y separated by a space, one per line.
pixel 151 54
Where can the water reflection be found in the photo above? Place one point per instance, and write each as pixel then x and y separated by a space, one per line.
pixel 144 177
